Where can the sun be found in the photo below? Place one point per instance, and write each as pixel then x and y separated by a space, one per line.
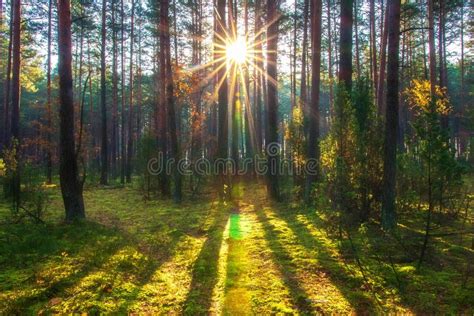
pixel 236 51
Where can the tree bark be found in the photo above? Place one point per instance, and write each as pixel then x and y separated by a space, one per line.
pixel 356 35
pixel 330 61
pixel 383 63
pixel 16 88
pixel 222 139
pixel 304 57
pixel 258 86
pixel 431 45
pixel 49 162
pixel 175 151
pixel 130 106
pixel 103 105
pixel 123 147
pixel 162 113
pixel 313 141
pixel 7 86
pixel 114 138
pixel 391 118
pixel 272 101
pixel 345 46
pixel 71 187
pixel 373 52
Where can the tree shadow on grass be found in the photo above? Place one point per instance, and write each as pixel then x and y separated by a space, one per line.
pixel 205 269
pixel 283 262
pixel 175 226
pixel 32 250
pixel 347 283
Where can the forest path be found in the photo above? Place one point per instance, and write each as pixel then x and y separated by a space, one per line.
pixel 270 266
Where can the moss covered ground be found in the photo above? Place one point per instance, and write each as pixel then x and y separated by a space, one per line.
pixel 250 256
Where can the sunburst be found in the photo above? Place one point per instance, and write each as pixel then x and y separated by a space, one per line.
pixel 240 56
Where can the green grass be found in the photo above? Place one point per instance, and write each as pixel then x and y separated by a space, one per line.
pixel 200 257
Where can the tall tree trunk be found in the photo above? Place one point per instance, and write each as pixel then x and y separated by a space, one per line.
pixel 272 101
pixel 383 63
pixel 462 143
pixel 175 35
pixel 71 187
pixel 222 139
pixel 258 86
pixel 330 61
pixel 49 160
pixel 441 56
pixel 123 147
pixel 233 88
pixel 7 86
pixel 114 138
pixel 313 141
pixel 443 75
pixel 425 62
pixel 295 46
pixel 345 46
pixel 356 35
pixel 249 110
pixel 162 113
pixel 175 151
pixel 391 118
pixel 373 51
pixel 130 106
pixel 431 45
pixel 304 57
pixel 15 117
pixel 140 82
pixel 103 105
pixel 92 121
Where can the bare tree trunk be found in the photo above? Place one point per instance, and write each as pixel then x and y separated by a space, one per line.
pixel 103 105
pixel 356 35
pixel 313 141
pixel 92 120
pixel 304 57
pixel 49 162
pixel 462 143
pixel 175 150
pixel 16 88
pixel 345 46
pixel 431 45
pixel 373 51
pixel 272 101
pixel 7 88
pixel 443 75
pixel 383 63
pixel 222 139
pixel 295 46
pixel 389 220
pixel 114 140
pixel 330 61
pixel 425 62
pixel 71 187
pixel 139 80
pixel 130 106
pixel 258 76
pixel 162 113
pixel 175 36
pixel 233 88
pixel 123 148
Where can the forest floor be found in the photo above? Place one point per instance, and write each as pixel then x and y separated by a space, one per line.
pixel 251 256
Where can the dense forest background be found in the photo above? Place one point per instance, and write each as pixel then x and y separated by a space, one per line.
pixel 356 114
